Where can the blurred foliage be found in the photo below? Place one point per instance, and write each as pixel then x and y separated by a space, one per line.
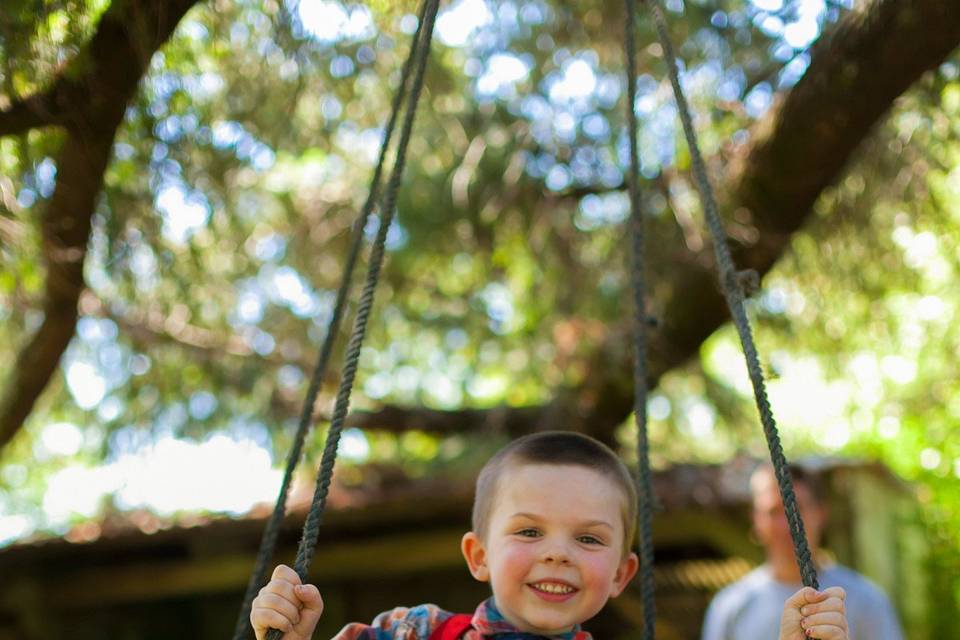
pixel 218 241
pixel 857 326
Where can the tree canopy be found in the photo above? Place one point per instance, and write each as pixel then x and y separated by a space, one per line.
pixel 179 180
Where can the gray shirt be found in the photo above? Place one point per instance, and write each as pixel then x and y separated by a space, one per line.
pixel 750 608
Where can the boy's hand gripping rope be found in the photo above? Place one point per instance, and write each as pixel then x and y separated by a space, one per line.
pixel 311 527
pixel 269 541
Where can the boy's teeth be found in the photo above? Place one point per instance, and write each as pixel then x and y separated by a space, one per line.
pixel 551 587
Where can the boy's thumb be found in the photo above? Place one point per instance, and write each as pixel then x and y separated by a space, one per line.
pixel 312 607
pixel 309 595
pixel 802 597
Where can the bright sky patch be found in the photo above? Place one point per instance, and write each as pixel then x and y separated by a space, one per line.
pixel 456 24
pixel 331 21
pixel 183 214
pixel 86 385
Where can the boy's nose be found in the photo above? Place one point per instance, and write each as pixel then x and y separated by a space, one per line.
pixel 556 553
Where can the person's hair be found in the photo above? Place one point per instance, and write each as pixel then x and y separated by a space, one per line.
pixel 810 479
pixel 556 448
pixel 800 476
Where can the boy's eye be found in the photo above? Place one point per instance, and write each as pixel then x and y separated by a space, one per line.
pixel 590 540
pixel 528 533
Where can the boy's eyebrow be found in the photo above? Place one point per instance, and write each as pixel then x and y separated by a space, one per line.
pixel 588 523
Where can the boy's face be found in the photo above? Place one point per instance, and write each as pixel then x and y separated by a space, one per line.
pixel 553 551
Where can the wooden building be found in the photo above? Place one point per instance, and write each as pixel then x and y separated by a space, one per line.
pixel 135 577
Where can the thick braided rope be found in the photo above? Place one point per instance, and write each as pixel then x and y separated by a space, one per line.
pixel 269 541
pixel 644 484
pixel 311 527
pixel 734 295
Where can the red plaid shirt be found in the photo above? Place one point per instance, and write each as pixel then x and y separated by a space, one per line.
pixel 417 623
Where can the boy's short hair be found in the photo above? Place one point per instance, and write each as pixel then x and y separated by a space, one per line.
pixel 556 448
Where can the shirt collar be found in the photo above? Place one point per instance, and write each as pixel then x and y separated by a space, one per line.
pixel 488 620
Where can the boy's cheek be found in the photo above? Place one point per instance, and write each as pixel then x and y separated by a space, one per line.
pixel 603 570
pixel 515 555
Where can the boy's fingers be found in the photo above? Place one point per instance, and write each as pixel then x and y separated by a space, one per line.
pixel 830 619
pixel 830 604
pixel 834 592
pixel 309 595
pixel 285 573
pixel 807 595
pixel 283 589
pixel 273 602
pixel 270 619
pixel 286 604
pixel 826 632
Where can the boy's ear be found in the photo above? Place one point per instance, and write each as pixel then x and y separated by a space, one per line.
pixel 625 572
pixel 475 553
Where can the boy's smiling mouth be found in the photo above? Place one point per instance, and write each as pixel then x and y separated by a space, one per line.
pixel 552 589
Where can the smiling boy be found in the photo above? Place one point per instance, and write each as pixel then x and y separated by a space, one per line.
pixel 553 520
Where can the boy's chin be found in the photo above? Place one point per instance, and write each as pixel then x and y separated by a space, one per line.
pixel 538 622
pixel 545 628
pixel 546 625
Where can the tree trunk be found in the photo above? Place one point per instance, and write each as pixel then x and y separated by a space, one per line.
pixel 89 100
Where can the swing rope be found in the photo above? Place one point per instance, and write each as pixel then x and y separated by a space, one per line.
pixel 269 541
pixel 731 282
pixel 644 485
pixel 311 527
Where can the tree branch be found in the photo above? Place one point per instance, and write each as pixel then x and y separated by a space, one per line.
pixel 138 28
pixel 38 110
pixel 107 71
pixel 800 147
pixel 504 419
pixel 803 145
pixel 149 327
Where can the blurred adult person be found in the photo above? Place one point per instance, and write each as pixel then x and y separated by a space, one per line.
pixel 749 609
